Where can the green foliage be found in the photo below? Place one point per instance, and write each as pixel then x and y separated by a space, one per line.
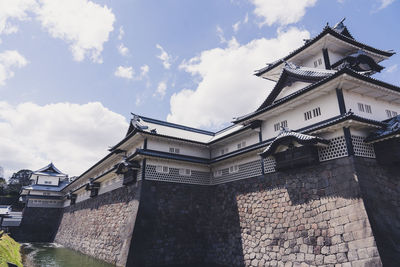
pixel 9 251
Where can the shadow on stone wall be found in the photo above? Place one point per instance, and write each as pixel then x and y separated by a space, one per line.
pixel 37 225
pixel 173 226
pixel 380 186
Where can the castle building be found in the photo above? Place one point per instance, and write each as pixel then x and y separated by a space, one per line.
pixel 310 176
pixel 325 105
pixel 45 188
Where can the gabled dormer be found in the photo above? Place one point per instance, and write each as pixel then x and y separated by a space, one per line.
pixel 292 79
pixel 325 50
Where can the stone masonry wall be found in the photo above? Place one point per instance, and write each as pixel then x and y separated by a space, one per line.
pixel 102 226
pixel 380 186
pixel 37 225
pixel 308 216
pixel 313 216
pixel 171 225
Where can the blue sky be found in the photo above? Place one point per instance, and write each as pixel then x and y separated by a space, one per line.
pixel 71 72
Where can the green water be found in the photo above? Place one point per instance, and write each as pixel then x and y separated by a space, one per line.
pixel 52 255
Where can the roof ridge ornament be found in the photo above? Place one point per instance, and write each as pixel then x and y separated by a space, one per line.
pixel 136 122
pixel 340 25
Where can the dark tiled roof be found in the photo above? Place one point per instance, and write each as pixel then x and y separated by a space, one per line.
pixel 333 32
pixel 47 188
pixel 299 137
pixel 292 73
pixel 391 128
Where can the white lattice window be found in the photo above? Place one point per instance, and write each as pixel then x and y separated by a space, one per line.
pixel 218 173
pixel 162 169
pixel 364 108
pixel 368 108
pixel 337 149
pixel 269 165
pixel 362 149
pixel 185 172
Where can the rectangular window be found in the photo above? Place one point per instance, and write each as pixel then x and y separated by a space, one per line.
pixel 319 61
pixel 218 173
pixel 47 182
pixel 368 108
pixel 174 150
pixel 233 169
pixel 361 107
pixel 284 124
pixel 46 193
pixel 241 145
pixel 316 112
pixel 391 113
pixel 162 169
pixel 307 115
pixel 185 172
pixel 315 64
pixel 277 127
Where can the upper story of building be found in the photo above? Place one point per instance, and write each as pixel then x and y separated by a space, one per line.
pixel 46 188
pixel 325 100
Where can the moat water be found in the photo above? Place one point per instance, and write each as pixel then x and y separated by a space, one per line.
pixel 53 255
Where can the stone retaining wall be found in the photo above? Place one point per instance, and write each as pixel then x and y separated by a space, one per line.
pixel 102 226
pixel 380 186
pixel 37 225
pixel 313 216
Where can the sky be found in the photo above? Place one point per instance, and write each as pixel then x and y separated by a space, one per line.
pixel 73 71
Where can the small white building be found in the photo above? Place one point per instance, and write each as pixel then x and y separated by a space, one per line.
pixel 46 187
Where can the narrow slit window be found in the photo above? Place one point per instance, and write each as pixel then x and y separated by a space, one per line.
pixel 368 108
pixel 360 107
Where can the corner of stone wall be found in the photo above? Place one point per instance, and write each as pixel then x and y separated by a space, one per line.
pixel 380 190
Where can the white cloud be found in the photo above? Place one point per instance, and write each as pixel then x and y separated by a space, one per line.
pixel 83 24
pixel 236 26
pixel 165 58
pixel 283 12
pixel 161 90
pixel 124 72
pixel 220 34
pixel 227 87
pixel 123 50
pixel 121 33
pixel 384 3
pixel 72 136
pixel 14 10
pixel 392 68
pixel 144 70
pixel 9 60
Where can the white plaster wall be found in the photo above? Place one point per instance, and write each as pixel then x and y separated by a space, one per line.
pixel 250 138
pixel 235 161
pixel 185 149
pixel 291 89
pixel 40 193
pixel 178 165
pixel 329 108
pixel 110 184
pixel 44 203
pixel 378 107
pixel 334 57
pixel 42 179
pixel 310 61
